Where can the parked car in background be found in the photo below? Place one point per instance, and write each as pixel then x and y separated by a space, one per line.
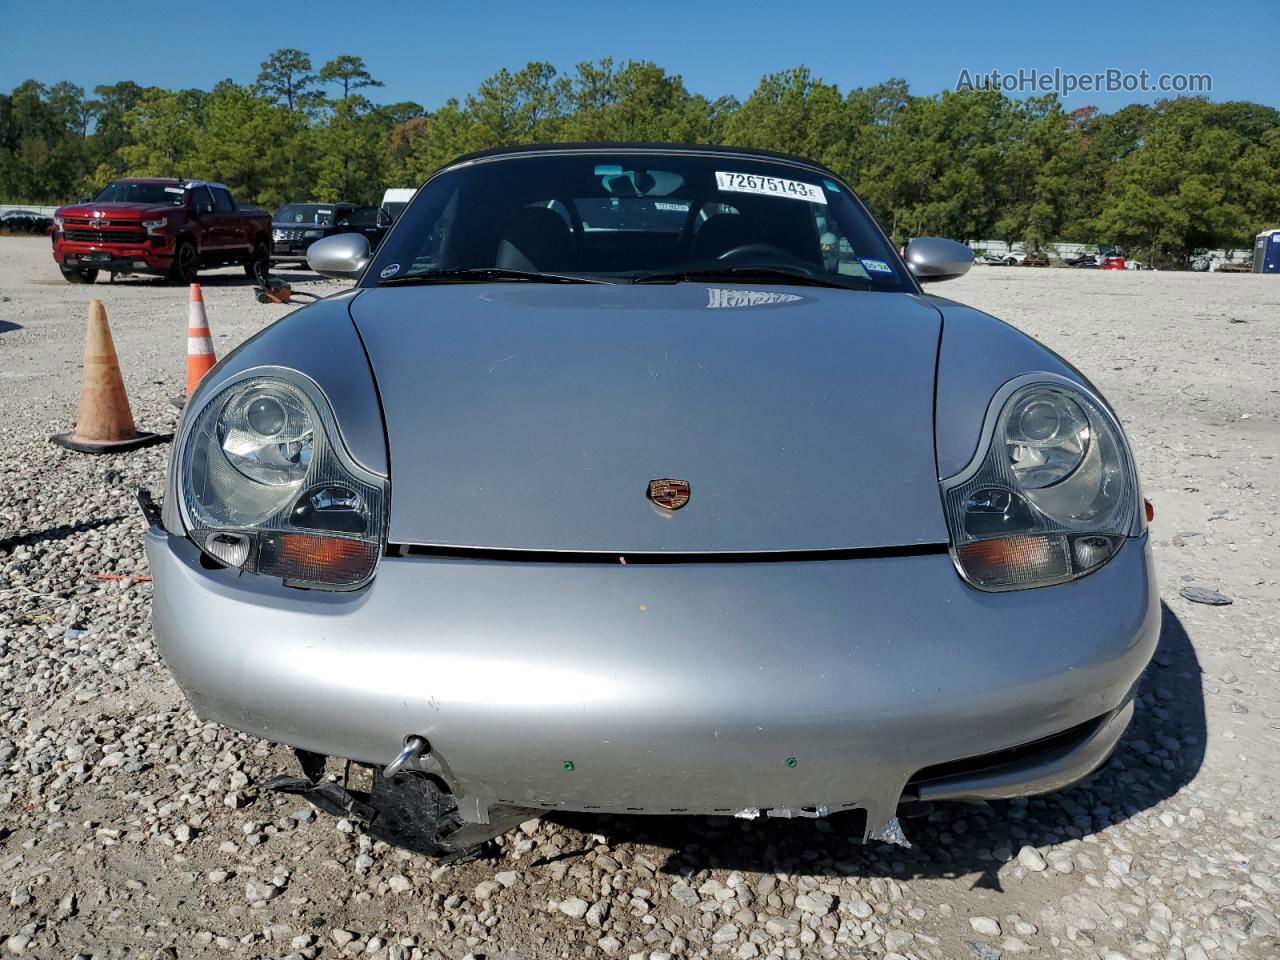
pixel 703 505
pixel 396 199
pixel 1001 259
pixel 25 221
pixel 1083 261
pixel 295 226
pixel 1111 257
pixel 163 226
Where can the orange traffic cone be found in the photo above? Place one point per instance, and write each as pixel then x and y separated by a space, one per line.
pixel 200 356
pixel 105 422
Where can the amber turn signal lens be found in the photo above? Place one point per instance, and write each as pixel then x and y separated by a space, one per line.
pixel 1007 561
pixel 1151 509
pixel 317 559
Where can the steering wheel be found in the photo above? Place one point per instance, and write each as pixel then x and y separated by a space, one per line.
pixel 752 249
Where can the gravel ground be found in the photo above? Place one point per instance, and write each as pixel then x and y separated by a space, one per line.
pixel 130 828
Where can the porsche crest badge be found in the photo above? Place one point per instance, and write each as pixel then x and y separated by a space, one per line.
pixel 669 494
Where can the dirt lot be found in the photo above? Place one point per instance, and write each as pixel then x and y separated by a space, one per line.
pixel 129 828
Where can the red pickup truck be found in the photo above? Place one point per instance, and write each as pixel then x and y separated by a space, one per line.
pixel 167 227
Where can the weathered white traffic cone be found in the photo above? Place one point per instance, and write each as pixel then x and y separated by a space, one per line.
pixel 105 422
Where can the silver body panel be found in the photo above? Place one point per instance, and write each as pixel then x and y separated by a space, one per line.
pixel 533 417
pixel 670 687
pixel 321 341
pixel 978 355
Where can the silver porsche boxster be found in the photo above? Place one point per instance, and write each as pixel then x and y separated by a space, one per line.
pixel 649 480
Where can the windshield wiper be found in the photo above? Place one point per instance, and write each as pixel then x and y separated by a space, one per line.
pixel 487 275
pixel 766 274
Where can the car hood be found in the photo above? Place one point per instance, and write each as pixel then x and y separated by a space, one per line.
pixel 533 417
pixel 117 211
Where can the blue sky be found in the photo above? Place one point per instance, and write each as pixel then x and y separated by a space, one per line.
pixel 430 51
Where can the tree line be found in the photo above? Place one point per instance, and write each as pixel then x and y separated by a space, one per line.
pixel 1163 180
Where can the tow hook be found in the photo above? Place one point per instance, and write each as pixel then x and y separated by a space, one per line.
pixel 414 747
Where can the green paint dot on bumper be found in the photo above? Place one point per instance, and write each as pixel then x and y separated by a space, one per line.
pixel 791 761
pixel 568 765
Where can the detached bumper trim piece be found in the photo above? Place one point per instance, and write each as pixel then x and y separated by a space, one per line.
pixel 151 510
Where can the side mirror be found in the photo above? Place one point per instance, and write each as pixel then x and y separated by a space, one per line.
pixel 933 258
pixel 342 256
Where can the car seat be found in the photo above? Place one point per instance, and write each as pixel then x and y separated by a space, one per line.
pixel 537 238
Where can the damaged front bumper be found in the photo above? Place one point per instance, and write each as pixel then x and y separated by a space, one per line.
pixel 774 688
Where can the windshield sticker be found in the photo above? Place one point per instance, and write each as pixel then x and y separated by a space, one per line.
pixel 831 186
pixel 175 189
pixel 769 186
pixel 875 266
pixel 390 270
pixel 720 298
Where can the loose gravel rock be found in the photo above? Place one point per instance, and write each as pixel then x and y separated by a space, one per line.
pixel 985 926
pixel 1030 858
pixel 130 828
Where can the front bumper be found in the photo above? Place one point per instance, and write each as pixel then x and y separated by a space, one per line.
pixel 672 688
pixel 139 258
pixel 290 250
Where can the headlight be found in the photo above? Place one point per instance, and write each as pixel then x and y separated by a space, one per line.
pixel 268 435
pixel 1052 494
pixel 59 222
pixel 156 227
pixel 265 486
pixel 309 234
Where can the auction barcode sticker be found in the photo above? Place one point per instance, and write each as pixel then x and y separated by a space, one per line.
pixel 769 186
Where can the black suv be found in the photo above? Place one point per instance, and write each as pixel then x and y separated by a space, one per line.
pixel 295 226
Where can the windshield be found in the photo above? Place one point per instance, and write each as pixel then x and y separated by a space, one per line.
pixel 130 191
pixel 314 213
pixel 627 217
